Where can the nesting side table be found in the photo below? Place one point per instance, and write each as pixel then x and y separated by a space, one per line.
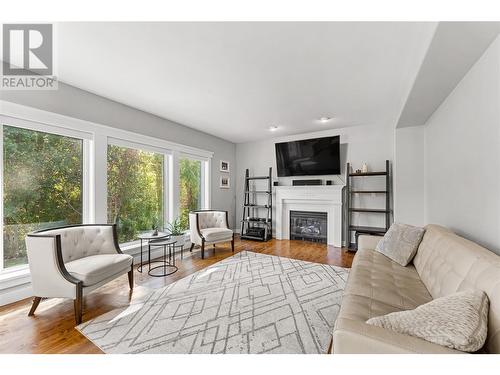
pixel 147 237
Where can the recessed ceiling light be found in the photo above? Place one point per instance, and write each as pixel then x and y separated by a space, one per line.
pixel 324 119
pixel 273 128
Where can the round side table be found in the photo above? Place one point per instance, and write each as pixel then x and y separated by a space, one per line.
pixel 149 237
pixel 165 264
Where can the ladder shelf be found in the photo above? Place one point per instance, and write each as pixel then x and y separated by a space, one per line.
pixel 350 192
pixel 253 226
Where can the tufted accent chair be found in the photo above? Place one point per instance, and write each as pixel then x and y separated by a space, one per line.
pixel 72 261
pixel 209 227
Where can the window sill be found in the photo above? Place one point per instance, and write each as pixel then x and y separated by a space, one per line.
pixel 13 278
pixel 17 271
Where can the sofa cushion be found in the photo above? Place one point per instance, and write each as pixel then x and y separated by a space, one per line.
pixel 376 277
pixel 96 268
pixel 400 243
pixel 217 234
pixel 458 321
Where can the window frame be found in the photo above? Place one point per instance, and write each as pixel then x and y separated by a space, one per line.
pixel 86 139
pixel 167 156
pixel 204 179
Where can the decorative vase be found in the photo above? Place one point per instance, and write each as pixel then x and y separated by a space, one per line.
pixel 179 239
pixel 364 168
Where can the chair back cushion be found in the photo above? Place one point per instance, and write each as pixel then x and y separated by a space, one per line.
pixel 211 219
pixel 448 263
pixel 82 241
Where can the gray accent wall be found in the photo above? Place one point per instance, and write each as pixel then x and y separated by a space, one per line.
pixel 71 101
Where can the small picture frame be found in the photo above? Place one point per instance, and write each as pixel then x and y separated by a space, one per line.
pixel 225 182
pixel 224 166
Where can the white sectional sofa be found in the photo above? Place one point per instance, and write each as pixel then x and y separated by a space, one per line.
pixel 445 263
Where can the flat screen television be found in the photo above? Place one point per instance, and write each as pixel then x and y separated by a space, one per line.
pixel 309 157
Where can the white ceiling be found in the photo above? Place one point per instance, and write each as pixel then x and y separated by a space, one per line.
pixel 235 80
pixel 455 47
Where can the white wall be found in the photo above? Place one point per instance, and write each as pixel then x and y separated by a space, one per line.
pixel 462 155
pixel 73 102
pixel 409 175
pixel 370 144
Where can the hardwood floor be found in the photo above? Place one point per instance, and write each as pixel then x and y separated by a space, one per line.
pixel 52 328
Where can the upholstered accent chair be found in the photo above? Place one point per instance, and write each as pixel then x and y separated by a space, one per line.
pixel 209 227
pixel 70 262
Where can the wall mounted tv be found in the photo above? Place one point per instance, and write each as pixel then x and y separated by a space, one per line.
pixel 309 157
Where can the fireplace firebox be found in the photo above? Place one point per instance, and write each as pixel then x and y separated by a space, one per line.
pixel 308 226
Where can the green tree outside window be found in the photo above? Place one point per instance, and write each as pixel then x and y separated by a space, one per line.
pixel 43 179
pixel 135 191
pixel 189 188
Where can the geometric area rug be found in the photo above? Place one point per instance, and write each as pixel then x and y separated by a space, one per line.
pixel 248 303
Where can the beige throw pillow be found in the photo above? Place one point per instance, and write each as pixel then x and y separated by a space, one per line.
pixel 458 321
pixel 400 243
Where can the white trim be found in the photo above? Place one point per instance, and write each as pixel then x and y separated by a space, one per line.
pixel 20 291
pixel 192 157
pixel 137 146
pixel 88 203
pixel 45 128
pixel 100 176
pixel 203 185
pixel 66 122
pixel 174 185
pixel 166 188
pixel 208 184
pixel 171 188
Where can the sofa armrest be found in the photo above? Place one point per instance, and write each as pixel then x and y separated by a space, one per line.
pixel 356 337
pixel 49 276
pixel 368 242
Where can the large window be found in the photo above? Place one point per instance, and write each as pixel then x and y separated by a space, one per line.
pixel 135 190
pixel 191 188
pixel 57 171
pixel 42 186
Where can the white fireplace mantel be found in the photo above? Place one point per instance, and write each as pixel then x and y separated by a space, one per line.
pixel 324 198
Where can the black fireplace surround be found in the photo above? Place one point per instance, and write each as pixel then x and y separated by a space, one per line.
pixel 308 226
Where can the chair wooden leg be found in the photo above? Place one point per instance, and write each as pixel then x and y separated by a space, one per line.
pixel 131 277
pixel 203 249
pixel 36 302
pixel 232 244
pixel 330 347
pixel 192 246
pixel 78 303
